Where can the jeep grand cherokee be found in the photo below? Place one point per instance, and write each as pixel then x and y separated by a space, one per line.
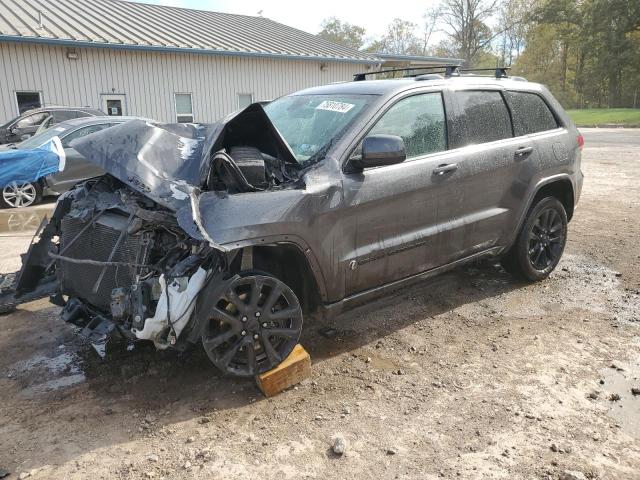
pixel 229 234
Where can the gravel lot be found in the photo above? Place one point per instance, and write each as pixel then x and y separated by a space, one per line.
pixel 470 375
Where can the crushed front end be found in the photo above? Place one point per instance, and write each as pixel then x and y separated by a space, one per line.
pixel 132 251
pixel 115 259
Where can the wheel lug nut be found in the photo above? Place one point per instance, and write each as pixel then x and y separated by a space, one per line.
pixel 244 319
pixel 256 336
pixel 264 325
pixel 257 314
pixel 243 333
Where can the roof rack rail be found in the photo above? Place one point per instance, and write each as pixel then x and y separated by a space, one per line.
pixel 499 72
pixel 358 77
pixel 449 71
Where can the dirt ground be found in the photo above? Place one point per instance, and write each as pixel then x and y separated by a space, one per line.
pixel 470 375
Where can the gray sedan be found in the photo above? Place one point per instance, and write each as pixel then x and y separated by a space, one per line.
pixel 77 168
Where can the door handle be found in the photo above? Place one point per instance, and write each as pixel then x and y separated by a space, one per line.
pixel 523 151
pixel 445 168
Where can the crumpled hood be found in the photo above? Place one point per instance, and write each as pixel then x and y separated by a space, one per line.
pixel 166 162
pixel 161 161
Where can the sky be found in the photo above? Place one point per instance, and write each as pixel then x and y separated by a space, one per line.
pixel 373 15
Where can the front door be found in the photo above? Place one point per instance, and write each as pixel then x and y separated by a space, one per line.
pixel 114 105
pixel 392 211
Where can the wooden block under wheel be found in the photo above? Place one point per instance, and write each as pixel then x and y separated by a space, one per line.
pixel 295 368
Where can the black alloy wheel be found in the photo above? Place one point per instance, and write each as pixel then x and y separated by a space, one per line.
pixel 540 243
pixel 253 326
pixel 546 239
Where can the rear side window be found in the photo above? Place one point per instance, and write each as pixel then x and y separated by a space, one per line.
pixel 83 132
pixel 419 120
pixel 60 116
pixel 482 117
pixel 530 113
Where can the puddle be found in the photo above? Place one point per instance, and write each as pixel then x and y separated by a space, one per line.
pixel 15 221
pixel 41 374
pixel 620 380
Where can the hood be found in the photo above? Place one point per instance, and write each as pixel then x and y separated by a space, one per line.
pixel 161 161
pixel 166 162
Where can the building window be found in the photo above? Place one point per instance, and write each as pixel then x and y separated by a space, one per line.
pixel 244 100
pixel 28 101
pixel 184 108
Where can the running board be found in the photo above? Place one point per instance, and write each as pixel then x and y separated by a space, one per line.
pixel 357 299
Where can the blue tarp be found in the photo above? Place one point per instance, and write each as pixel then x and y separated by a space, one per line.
pixel 24 166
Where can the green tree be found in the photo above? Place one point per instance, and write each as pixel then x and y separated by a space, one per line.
pixel 342 33
pixel 592 47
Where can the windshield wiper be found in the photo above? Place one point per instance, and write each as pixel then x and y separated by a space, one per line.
pixel 320 154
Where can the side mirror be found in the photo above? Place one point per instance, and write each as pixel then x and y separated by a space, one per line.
pixel 380 150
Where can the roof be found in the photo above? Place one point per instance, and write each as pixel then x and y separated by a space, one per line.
pixel 78 122
pixel 392 86
pixel 124 24
pixel 49 108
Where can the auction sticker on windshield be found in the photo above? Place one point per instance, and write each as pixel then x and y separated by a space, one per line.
pixel 335 106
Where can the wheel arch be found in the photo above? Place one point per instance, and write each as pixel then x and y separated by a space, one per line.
pixel 559 186
pixel 288 257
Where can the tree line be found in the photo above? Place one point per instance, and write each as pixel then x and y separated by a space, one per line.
pixel 586 51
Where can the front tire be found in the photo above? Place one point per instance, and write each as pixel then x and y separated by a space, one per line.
pixel 253 325
pixel 17 195
pixel 540 243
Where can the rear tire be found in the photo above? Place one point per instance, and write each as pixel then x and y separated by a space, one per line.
pixel 540 243
pixel 21 195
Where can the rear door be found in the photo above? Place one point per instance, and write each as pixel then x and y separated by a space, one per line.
pixel 77 168
pixel 491 172
pixel 392 211
pixel 535 125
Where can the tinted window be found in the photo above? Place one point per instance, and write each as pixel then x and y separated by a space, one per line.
pixel 482 117
pixel 419 120
pixel 82 132
pixel 530 113
pixel 60 116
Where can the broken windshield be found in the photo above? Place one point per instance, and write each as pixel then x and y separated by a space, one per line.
pixel 310 124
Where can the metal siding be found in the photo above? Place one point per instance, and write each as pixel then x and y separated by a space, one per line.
pixel 144 26
pixel 150 79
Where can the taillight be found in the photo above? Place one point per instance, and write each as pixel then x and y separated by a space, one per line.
pixel 580 141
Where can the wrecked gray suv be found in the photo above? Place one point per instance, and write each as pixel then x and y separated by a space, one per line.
pixel 227 235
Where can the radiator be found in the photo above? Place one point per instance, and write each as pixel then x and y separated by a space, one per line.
pixel 96 243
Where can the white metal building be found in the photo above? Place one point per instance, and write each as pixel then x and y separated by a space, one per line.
pixel 166 63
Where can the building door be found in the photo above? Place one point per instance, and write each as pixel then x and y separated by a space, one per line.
pixel 114 105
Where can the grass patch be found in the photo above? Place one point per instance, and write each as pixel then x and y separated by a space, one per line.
pixel 591 117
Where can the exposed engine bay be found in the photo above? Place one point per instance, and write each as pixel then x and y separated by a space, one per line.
pixel 115 258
